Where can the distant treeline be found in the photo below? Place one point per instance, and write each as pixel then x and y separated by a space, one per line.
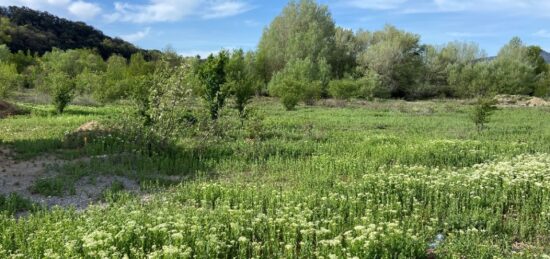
pixel 33 31
pixel 302 57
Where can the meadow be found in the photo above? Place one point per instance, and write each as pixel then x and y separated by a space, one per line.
pixel 380 179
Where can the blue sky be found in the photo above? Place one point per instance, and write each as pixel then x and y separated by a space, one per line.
pixel 203 26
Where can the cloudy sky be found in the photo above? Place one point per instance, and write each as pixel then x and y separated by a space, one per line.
pixel 203 26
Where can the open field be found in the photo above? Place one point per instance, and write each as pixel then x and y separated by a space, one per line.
pixel 384 179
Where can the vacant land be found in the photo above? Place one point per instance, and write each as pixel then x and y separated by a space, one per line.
pixel 369 180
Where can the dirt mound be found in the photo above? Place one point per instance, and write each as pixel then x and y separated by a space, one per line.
pixel 8 109
pixel 536 102
pixel 84 134
pixel 521 100
pixel 89 126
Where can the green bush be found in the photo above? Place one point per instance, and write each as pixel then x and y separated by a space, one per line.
pixel 344 89
pixel 300 80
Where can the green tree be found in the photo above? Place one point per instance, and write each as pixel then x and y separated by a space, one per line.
pixel 116 84
pixel 394 55
pixel 211 79
pixel 240 80
pixel 9 79
pixel 299 81
pixel 5 25
pixel 515 72
pixel 62 89
pixel 303 30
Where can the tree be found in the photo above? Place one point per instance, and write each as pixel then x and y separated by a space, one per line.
pixel 303 30
pixel 116 84
pixel 211 80
pixel 344 89
pixel 62 88
pixel 394 55
pixel 300 80
pixel 240 80
pixel 441 61
pixel 5 25
pixel 345 52
pixel 9 79
pixel 514 71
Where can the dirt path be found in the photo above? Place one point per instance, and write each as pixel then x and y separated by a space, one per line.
pixel 19 176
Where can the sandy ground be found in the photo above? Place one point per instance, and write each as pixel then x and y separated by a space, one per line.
pixel 19 176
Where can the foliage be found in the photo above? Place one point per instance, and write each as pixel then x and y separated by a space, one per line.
pixel 241 80
pixel 62 89
pixel 482 111
pixel 394 55
pixel 300 80
pixel 344 89
pixel 39 32
pixel 211 79
pixel 9 79
pixel 304 30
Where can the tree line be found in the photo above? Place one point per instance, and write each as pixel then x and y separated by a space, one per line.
pixel 302 56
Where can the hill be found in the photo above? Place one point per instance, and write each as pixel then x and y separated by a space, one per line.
pixel 38 32
pixel 546 56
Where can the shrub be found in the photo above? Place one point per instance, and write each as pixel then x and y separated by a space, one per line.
pixel 343 89
pixel 300 80
pixel 211 80
pixel 240 81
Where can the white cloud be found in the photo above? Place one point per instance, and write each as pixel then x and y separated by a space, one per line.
pixel 524 7
pixel 84 10
pixel 219 9
pixel 376 4
pixel 134 37
pixel 542 34
pixel 175 10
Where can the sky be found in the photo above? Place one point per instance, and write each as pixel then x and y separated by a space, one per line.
pixel 201 27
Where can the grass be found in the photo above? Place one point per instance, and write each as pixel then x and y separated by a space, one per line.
pixel 376 180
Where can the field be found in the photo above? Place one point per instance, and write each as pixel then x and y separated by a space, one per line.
pixel 382 179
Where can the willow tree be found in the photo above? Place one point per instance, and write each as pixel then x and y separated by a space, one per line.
pixel 304 30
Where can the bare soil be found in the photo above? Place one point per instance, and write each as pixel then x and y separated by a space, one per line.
pixel 18 176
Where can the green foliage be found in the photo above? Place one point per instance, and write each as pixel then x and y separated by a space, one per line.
pixel 304 30
pixel 394 55
pixel 9 79
pixel 344 89
pixel 300 80
pixel 211 79
pixel 116 84
pixel 14 203
pixel 39 32
pixel 62 89
pixel 5 24
pixel 482 111
pixel 241 80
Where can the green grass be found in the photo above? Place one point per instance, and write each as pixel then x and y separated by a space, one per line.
pixel 379 180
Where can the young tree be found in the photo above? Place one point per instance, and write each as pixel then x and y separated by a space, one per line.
pixel 62 89
pixel 211 79
pixel 116 84
pixel 303 30
pixel 240 80
pixel 515 72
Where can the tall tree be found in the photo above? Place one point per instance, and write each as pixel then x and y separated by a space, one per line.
pixel 393 54
pixel 211 78
pixel 303 30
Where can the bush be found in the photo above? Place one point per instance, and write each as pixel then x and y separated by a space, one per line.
pixel 344 89
pixel 300 80
pixel 370 86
